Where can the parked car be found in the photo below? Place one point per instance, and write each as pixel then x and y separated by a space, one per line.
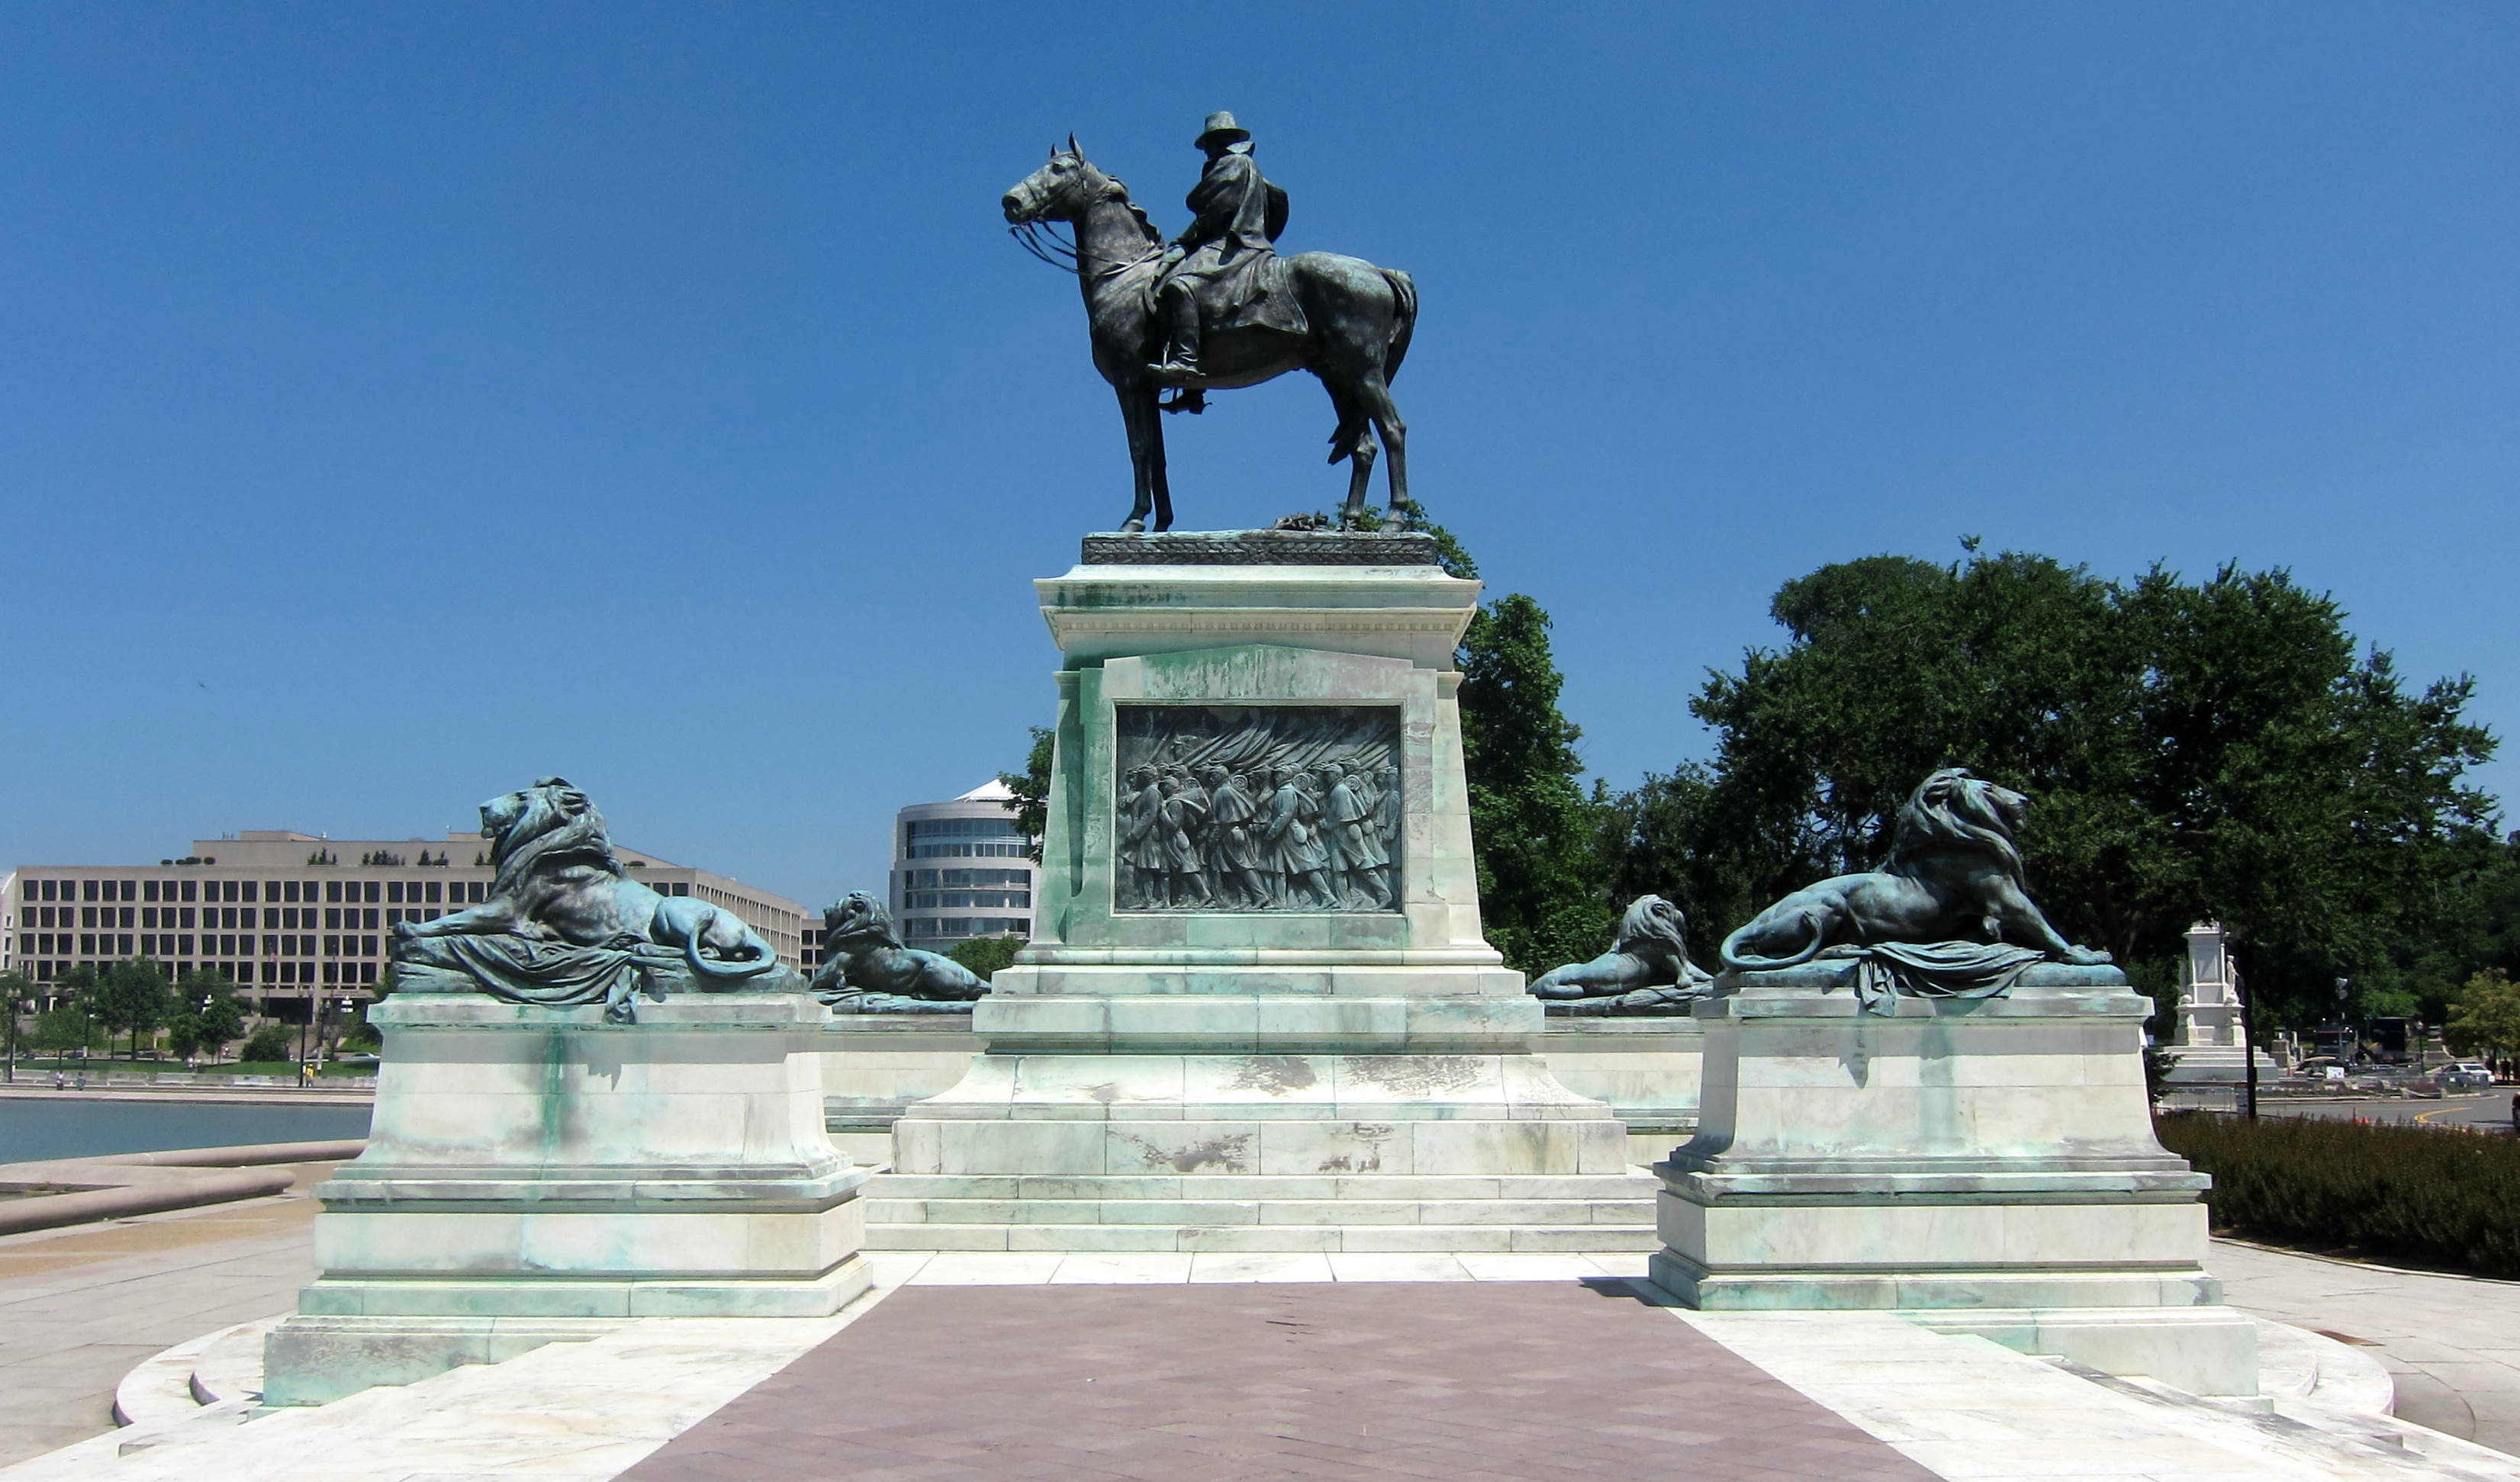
pixel 2467 1074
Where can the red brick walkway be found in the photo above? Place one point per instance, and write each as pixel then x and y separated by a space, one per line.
pixel 1457 1380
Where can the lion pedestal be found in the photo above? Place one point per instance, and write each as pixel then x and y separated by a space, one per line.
pixel 1257 1013
pixel 1983 1165
pixel 540 1173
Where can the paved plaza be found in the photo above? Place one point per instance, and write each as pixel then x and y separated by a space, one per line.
pixel 973 1365
pixel 80 1307
pixel 1474 1382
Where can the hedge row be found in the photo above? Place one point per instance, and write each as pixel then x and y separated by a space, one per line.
pixel 2426 1197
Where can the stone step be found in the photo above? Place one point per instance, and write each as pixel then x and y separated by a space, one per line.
pixel 1323 1212
pixel 1587 1238
pixel 1633 1184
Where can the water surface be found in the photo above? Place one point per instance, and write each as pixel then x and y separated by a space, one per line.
pixel 70 1127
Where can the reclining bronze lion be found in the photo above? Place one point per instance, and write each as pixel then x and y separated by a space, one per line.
pixel 559 883
pixel 1954 875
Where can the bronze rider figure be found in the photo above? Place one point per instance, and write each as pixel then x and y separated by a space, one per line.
pixel 1221 272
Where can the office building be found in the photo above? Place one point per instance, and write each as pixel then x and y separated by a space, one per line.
pixel 960 870
pixel 287 915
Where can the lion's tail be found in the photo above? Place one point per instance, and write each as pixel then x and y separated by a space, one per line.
pixel 1743 962
pixel 708 967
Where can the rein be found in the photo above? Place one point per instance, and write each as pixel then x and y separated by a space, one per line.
pixel 1038 238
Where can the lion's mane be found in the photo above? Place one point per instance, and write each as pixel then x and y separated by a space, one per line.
pixel 552 820
pixel 1951 813
pixel 859 917
pixel 1651 926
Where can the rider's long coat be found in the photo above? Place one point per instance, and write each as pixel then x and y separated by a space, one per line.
pixel 1232 265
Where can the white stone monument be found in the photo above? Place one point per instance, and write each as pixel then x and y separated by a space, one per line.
pixel 1338 1062
pixel 542 1173
pixel 1981 1166
pixel 2212 1036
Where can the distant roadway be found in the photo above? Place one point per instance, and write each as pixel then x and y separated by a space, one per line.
pixel 2490 1110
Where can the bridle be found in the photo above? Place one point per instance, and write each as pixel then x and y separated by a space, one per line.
pixel 1036 236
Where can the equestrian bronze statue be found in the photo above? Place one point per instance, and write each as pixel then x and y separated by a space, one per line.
pixel 1219 309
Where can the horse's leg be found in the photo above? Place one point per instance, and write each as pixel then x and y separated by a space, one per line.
pixel 1146 451
pixel 1376 393
pixel 1353 441
pixel 1158 482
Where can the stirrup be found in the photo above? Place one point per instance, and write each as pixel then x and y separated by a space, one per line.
pixel 1189 399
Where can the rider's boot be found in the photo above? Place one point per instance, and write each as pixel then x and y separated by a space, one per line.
pixel 1180 366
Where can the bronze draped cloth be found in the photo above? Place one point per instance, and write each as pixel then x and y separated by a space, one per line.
pixel 1890 970
pixel 1671 999
pixel 527 970
pixel 1233 269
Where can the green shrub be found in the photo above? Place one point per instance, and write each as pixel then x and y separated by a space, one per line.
pixel 271 1042
pixel 986 955
pixel 2430 1197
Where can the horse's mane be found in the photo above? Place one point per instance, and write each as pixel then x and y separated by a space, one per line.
pixel 557 820
pixel 1950 811
pixel 1651 922
pixel 1113 185
pixel 857 916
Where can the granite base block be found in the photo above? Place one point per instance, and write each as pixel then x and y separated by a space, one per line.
pixel 317 1360
pixel 1983 1166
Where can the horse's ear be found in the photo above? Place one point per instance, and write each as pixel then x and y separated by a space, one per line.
pixel 1053 151
pixel 1072 145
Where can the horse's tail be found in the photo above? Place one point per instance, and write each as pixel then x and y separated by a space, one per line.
pixel 1403 317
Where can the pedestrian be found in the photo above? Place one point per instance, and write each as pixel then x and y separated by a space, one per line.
pixel 2516 1111
pixel 62 1082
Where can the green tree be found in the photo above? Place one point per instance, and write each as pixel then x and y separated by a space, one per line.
pixel 66 1026
pixel 206 1016
pixel 2486 1014
pixel 1031 788
pixel 1651 840
pixel 2194 750
pixel 183 1033
pixel 132 998
pixel 986 955
pixel 1541 883
pixel 269 1043
pixel 17 994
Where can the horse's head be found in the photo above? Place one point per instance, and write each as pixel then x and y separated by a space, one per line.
pixel 1059 191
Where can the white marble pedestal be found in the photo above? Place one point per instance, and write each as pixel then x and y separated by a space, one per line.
pixel 1260 1080
pixel 1981 1166
pixel 536 1174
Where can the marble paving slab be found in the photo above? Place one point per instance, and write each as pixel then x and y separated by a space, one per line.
pixel 1474 1382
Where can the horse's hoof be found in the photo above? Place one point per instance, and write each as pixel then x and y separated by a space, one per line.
pixel 1133 527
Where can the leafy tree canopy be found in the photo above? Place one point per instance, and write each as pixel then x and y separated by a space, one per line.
pixel 2486 1014
pixel 1031 788
pixel 986 955
pixel 66 1026
pixel 271 1042
pixel 1539 878
pixel 132 998
pixel 206 1016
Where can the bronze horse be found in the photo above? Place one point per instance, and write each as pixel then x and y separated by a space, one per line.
pixel 1360 318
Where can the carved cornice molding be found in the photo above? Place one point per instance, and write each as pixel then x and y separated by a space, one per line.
pixel 1262 548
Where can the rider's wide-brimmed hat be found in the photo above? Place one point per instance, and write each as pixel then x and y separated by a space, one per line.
pixel 1221 126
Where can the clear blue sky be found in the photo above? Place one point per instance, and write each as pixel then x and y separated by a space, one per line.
pixel 398 402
